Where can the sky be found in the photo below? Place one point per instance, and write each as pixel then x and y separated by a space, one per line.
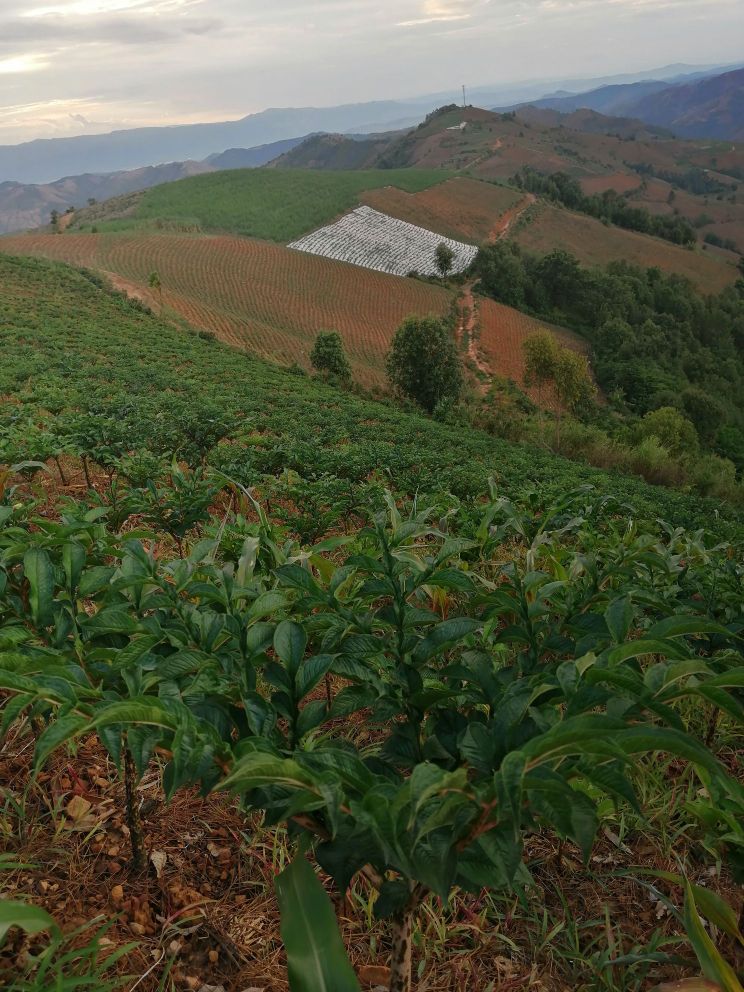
pixel 88 66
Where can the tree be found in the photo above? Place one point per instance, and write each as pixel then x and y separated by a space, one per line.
pixel 573 385
pixel 444 257
pixel 153 281
pixel 328 356
pixel 423 363
pixel 54 219
pixel 672 429
pixel 704 410
pixel 541 354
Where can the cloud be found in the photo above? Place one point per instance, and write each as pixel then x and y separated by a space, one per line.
pixel 22 63
pixel 437 11
pixel 139 62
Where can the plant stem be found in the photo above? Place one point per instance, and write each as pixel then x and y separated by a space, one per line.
pixel 400 963
pixel 62 478
pixel 134 820
pixel 86 473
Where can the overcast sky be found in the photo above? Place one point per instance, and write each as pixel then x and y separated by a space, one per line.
pixel 84 66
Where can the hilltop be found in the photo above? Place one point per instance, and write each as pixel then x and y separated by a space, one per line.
pixel 695 181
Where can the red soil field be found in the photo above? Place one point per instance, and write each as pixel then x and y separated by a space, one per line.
pixel 256 296
pixel 266 299
pixel 462 208
pixel 621 182
pixel 502 333
pixel 593 243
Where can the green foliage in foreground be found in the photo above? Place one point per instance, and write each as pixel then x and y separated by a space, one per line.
pixel 476 700
pixel 273 204
pixel 89 373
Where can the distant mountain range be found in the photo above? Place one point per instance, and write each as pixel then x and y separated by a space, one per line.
pixel 708 107
pixel 43 161
pixel 27 205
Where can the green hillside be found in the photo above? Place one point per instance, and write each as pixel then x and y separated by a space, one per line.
pixel 273 204
pixel 459 707
pixel 71 348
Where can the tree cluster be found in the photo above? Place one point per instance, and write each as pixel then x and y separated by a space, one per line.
pixel 609 206
pixel 656 341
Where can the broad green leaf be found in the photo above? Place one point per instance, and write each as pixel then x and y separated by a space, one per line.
pixel 443 636
pixel 647 645
pixel 258 769
pixel 289 643
pixel 266 603
pixel 138 711
pixel 451 578
pixel 30 918
pixel 39 571
pixel 59 731
pixel 640 739
pixel 316 958
pixel 679 626
pixel 618 617
pixel 712 963
pixel 73 560
pixel 311 672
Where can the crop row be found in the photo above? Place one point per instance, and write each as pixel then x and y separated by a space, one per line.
pixel 461 208
pixel 255 295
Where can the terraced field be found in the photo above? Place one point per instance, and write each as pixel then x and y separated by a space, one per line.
pixel 621 182
pixel 373 240
pixel 595 244
pixel 271 301
pixel 254 295
pixel 459 208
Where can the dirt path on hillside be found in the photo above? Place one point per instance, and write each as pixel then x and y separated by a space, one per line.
pixel 132 289
pixel 466 334
pixel 506 221
pixel 65 220
pixel 486 154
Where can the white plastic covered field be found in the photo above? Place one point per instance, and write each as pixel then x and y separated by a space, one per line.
pixel 375 240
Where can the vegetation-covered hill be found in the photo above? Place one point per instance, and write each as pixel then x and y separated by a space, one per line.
pixel 146 383
pixel 272 204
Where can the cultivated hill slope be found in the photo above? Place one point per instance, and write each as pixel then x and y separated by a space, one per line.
pixel 69 345
pixel 274 204
pixel 271 301
pixel 604 152
pixel 545 228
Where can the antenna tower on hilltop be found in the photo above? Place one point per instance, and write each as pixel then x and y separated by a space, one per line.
pixel 463 95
